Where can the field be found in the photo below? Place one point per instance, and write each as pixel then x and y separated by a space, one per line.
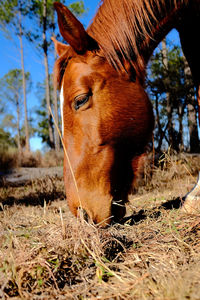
pixel 45 253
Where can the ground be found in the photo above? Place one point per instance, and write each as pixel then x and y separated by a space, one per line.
pixel 154 253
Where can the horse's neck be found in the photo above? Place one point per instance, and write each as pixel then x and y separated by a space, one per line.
pixel 131 29
pixel 169 19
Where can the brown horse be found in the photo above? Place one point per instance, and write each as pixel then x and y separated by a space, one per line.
pixel 107 118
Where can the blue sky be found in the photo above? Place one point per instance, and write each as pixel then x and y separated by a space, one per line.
pixel 10 59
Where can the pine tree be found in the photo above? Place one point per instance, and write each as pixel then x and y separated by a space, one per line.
pixel 11 93
pixel 11 19
pixel 171 91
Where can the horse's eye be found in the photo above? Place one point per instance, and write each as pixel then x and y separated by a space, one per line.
pixel 80 100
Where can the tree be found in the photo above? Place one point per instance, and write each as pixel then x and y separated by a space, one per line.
pixel 171 90
pixel 42 126
pixel 45 50
pixel 166 81
pixel 11 91
pixel 11 14
pixel 191 109
pixel 5 140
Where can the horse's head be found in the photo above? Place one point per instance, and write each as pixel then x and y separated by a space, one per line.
pixel 107 120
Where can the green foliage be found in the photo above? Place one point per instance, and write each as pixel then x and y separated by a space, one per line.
pixel 36 15
pixel 42 125
pixel 7 11
pixel 43 130
pixel 11 98
pixel 36 10
pixel 11 86
pixel 77 8
pixel 6 140
pixel 159 82
pixel 8 149
pixel 12 80
pixel 8 121
pixel 11 12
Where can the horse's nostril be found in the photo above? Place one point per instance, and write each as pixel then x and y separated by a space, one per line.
pixel 83 214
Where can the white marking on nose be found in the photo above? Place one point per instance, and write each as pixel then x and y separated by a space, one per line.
pixel 61 107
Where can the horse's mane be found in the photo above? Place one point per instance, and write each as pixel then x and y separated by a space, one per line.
pixel 123 28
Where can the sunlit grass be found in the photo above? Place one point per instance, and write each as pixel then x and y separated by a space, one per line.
pixel 45 253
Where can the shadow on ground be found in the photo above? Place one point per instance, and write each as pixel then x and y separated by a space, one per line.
pixel 38 192
pixel 153 213
pixel 33 200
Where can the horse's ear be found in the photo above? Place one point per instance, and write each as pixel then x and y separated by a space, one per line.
pixel 59 47
pixel 73 31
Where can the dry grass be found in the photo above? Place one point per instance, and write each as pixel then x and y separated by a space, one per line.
pixel 8 158
pixel 46 253
pixel 52 158
pixel 37 192
pixel 11 158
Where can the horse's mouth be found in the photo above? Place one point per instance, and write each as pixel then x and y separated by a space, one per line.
pixel 118 210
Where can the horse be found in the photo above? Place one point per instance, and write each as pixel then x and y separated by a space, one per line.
pixel 107 117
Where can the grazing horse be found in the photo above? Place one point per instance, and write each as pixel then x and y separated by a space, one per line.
pixel 107 118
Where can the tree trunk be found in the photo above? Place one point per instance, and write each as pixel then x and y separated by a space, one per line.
pixel 191 111
pixel 192 124
pixel 18 127
pixel 180 120
pixel 24 86
pixel 160 131
pixel 55 98
pixel 168 98
pixel 45 49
